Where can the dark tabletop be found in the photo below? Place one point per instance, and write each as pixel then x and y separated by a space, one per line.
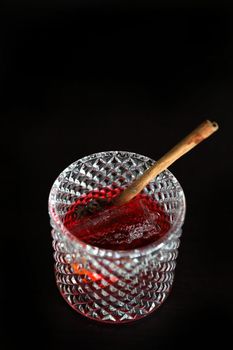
pixel 80 78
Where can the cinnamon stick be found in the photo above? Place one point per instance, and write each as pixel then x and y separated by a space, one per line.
pixel 199 134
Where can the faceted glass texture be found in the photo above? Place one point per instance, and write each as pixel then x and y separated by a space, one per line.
pixel 108 285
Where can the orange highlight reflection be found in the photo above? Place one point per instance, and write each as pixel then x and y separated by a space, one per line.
pixel 81 271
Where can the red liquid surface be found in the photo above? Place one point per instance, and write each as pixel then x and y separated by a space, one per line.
pixel 132 225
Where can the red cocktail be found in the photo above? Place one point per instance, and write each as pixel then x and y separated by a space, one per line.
pixel 114 264
pixel 135 224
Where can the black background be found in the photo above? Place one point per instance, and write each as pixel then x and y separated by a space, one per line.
pixel 82 77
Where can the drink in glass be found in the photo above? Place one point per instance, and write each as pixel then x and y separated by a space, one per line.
pixel 117 264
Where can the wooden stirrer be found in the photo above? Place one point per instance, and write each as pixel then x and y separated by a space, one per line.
pixel 203 131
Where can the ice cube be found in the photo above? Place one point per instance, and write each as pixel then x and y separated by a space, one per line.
pixel 128 226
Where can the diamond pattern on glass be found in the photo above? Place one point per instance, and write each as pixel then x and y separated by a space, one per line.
pixel 105 285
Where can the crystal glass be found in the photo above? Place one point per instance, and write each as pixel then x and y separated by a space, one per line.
pixel 129 284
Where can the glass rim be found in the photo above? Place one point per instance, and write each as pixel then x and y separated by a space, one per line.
pixel 94 250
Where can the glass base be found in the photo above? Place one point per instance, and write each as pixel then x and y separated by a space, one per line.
pixel 126 319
